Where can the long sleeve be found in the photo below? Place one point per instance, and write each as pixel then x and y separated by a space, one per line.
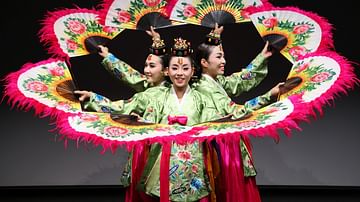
pixel 135 104
pixel 125 73
pixel 239 111
pixel 245 80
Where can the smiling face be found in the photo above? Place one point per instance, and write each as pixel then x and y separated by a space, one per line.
pixel 180 71
pixel 215 64
pixel 154 70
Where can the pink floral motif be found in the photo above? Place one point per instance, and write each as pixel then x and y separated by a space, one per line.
pixel 162 129
pixel 194 168
pixel 57 71
pixel 89 117
pixel 151 3
pixel 189 11
pixel 297 51
pixel 270 110
pixel 109 29
pixel 270 22
pixel 64 106
pixel 124 16
pixel 114 131
pixel 76 27
pixel 320 77
pixel 221 1
pixel 300 29
pixel 245 14
pixel 184 155
pixel 247 124
pixel 302 67
pixel 71 45
pixel 37 86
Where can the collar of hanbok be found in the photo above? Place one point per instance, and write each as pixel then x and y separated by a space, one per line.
pixel 181 102
pixel 212 80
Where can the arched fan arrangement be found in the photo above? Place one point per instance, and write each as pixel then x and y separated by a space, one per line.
pixel 317 75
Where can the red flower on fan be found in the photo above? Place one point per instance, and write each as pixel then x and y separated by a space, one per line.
pixel 270 110
pixel 151 3
pixel 76 27
pixel 245 14
pixel 297 51
pixel 300 29
pixel 247 124
pixel 320 77
pixel 109 29
pixel 124 16
pixel 71 45
pixel 64 106
pixel 89 117
pixel 184 155
pixel 302 67
pixel 270 22
pixel 57 71
pixel 114 131
pixel 37 86
pixel 221 1
pixel 189 11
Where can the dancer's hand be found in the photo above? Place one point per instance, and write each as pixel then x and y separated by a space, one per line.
pixel 218 30
pixel 104 51
pixel 275 91
pixel 265 51
pixel 153 33
pixel 84 95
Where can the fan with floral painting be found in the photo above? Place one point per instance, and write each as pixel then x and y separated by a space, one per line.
pixel 136 14
pixel 292 31
pixel 75 32
pixel 323 76
pixel 46 87
pixel 209 12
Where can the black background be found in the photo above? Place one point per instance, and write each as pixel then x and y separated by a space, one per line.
pixel 324 153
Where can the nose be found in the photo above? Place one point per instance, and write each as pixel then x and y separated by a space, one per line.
pixel 223 60
pixel 180 71
pixel 146 69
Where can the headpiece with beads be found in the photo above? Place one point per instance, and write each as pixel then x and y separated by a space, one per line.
pixel 158 47
pixel 213 39
pixel 181 48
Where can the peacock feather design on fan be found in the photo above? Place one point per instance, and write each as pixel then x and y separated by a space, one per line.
pixel 291 31
pixel 209 12
pixel 74 32
pixel 46 87
pixel 136 14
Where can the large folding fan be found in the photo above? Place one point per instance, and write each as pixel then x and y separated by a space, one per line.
pixel 209 12
pixel 75 32
pixel 136 14
pixel 46 87
pixel 323 76
pixel 291 31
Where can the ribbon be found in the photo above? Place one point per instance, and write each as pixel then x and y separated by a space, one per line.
pixel 182 120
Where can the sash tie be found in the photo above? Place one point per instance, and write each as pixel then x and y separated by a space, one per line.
pixel 182 120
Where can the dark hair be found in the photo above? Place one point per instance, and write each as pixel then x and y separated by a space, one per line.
pixel 164 60
pixel 203 51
